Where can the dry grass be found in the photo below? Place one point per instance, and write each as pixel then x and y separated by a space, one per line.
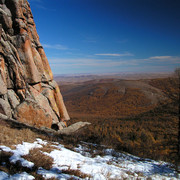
pixel 4 158
pixel 10 136
pixel 15 133
pixel 48 148
pixel 35 155
pixel 12 168
pixel 77 173
pixel 39 159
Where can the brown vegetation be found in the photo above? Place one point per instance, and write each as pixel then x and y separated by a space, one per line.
pixel 76 173
pixel 12 134
pixel 39 159
pixel 151 133
pixel 129 121
pixel 111 98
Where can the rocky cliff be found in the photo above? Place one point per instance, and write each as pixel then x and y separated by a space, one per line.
pixel 28 92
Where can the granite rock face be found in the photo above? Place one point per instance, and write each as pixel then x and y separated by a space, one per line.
pixel 28 92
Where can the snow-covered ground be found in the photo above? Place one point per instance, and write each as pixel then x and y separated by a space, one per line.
pixel 112 165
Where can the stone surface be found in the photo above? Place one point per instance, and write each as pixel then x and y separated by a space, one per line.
pixel 31 113
pixel 5 108
pixel 73 128
pixel 44 104
pixel 59 100
pixel 49 94
pixel 13 99
pixel 25 72
pixel 3 89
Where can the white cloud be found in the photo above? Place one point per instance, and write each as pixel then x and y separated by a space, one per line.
pixel 89 65
pixel 56 46
pixel 113 54
pixel 165 59
pixel 160 57
pixel 90 62
pixel 105 63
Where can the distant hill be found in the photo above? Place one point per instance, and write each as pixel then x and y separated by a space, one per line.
pixel 111 97
pixel 137 116
pixel 126 76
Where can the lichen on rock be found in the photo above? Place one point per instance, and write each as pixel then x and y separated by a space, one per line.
pixel 28 92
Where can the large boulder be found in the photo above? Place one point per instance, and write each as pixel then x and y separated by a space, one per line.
pixel 31 113
pixel 73 128
pixel 28 92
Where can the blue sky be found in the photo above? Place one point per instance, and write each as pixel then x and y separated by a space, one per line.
pixel 109 36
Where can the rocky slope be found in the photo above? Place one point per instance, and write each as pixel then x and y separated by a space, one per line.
pixel 28 92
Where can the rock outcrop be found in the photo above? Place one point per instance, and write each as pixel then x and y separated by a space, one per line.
pixel 28 92
pixel 70 130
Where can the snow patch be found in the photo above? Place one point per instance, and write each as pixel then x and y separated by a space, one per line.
pixel 55 173
pixel 21 176
pixel 22 150
pixel 3 175
pixel 113 165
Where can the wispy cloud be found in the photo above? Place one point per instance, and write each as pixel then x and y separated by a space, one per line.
pixel 160 57
pixel 113 54
pixel 56 46
pixel 151 61
pixel 40 4
pixel 165 59
pixel 90 62
pixel 89 65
